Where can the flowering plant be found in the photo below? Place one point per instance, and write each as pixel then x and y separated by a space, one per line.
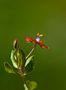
pixel 23 64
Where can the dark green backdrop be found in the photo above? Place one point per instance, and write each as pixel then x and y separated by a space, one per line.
pixel 19 18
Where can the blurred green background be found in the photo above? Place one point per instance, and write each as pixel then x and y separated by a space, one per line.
pixel 20 18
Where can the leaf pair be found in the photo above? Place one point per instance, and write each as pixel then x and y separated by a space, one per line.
pixel 18 58
pixel 28 66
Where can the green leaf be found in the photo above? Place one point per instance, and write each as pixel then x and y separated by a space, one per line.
pixel 25 87
pixel 8 68
pixel 29 64
pixel 13 59
pixel 29 67
pixel 28 60
pixel 30 85
pixel 18 58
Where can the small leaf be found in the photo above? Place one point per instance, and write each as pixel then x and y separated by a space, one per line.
pixel 29 64
pixel 14 59
pixel 8 68
pixel 25 87
pixel 30 85
pixel 29 67
pixel 28 60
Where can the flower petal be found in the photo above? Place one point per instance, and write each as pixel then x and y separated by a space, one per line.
pixel 42 45
pixel 29 39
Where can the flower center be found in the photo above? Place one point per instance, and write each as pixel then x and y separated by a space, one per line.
pixel 37 39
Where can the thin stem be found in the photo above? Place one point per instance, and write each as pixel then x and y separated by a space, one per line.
pixel 21 73
pixel 32 50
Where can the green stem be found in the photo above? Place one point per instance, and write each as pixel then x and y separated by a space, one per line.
pixel 32 50
pixel 21 73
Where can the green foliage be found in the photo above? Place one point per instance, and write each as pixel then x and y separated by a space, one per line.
pixel 28 60
pixel 21 65
pixel 30 85
pixel 13 59
pixel 29 67
pixel 8 68
pixel 29 64
pixel 17 58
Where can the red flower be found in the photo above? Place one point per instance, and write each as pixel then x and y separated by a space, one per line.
pixel 37 40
